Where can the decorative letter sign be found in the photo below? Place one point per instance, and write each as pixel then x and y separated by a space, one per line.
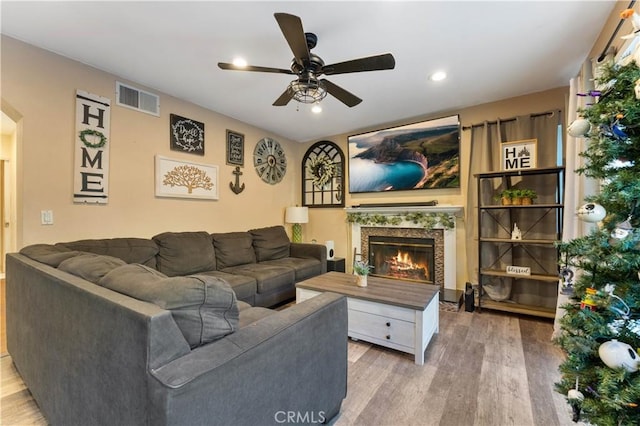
pixel 519 154
pixel 91 171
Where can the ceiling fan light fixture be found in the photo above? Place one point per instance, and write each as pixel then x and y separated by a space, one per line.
pixel 438 76
pixel 316 109
pixel 307 90
pixel 240 62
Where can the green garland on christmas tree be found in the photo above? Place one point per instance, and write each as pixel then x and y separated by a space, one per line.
pixel 601 328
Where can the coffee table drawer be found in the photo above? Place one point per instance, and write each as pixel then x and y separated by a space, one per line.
pixel 382 329
pixel 382 309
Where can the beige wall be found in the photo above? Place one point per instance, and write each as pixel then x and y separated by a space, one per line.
pixel 330 224
pixel 40 86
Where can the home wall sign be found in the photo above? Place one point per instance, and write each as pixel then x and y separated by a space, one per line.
pixel 235 148
pixel 185 179
pixel 91 162
pixel 186 135
pixel 519 155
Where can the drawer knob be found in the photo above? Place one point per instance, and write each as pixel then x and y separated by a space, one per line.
pixel 388 324
pixel 388 337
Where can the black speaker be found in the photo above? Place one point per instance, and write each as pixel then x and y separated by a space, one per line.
pixel 469 298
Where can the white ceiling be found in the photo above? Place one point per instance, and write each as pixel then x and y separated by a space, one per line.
pixel 490 50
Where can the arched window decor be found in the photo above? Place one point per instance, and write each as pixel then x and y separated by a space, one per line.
pixel 323 175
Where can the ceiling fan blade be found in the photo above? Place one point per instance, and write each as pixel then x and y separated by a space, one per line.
pixel 385 61
pixel 347 98
pixel 233 67
pixel 284 98
pixel 291 27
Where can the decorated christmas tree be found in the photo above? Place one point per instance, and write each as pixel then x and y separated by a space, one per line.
pixel 601 271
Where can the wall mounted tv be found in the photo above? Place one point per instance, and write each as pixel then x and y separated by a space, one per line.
pixel 424 155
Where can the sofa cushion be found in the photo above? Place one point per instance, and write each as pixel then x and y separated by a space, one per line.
pixel 270 243
pixel 233 248
pixel 92 267
pixel 243 286
pixel 252 315
pixel 184 253
pixel 304 267
pixel 203 307
pixel 131 250
pixel 48 254
pixel 268 277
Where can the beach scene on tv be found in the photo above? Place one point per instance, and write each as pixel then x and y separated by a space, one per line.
pixel 423 155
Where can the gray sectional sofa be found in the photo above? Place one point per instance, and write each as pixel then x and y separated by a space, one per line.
pixel 171 330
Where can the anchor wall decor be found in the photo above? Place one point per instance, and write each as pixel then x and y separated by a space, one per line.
pixel 237 188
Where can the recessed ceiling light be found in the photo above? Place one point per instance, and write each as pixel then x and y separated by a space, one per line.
pixel 240 62
pixel 316 109
pixel 438 76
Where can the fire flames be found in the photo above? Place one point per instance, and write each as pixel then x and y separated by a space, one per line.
pixel 403 266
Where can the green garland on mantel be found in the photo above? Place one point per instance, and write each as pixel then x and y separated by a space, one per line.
pixel 426 220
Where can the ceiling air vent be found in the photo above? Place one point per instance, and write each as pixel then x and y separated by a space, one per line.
pixel 131 97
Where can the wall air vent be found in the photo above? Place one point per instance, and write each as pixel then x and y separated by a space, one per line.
pixel 131 97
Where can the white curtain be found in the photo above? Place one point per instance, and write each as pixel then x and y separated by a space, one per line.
pixel 576 186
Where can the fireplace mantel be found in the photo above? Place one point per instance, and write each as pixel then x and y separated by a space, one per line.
pixel 450 281
pixel 391 210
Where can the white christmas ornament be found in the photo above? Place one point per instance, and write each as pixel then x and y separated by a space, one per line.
pixel 591 212
pixel 575 395
pixel 579 128
pixel 622 230
pixel 617 355
pixel 637 86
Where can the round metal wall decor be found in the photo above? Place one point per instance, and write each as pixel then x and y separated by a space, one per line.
pixel 269 160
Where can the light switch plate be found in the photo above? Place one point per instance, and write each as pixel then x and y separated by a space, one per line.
pixel 46 217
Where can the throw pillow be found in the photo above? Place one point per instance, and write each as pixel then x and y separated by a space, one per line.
pixel 91 267
pixel 270 243
pixel 204 307
pixel 48 254
pixel 233 249
pixel 184 253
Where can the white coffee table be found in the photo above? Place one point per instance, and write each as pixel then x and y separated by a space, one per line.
pixel 396 314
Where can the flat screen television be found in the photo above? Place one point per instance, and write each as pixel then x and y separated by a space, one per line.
pixel 424 155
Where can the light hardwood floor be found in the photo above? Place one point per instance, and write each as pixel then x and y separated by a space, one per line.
pixel 481 369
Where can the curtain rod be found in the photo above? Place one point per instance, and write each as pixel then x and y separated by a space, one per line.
pixel 606 48
pixel 506 120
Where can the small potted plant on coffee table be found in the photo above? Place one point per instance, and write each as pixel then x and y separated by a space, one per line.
pixel 361 270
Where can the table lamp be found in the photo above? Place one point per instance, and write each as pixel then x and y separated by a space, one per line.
pixel 297 215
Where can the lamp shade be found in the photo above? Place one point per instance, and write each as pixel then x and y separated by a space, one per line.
pixel 297 215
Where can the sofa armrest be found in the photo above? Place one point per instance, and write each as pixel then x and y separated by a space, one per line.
pixel 316 251
pixel 294 360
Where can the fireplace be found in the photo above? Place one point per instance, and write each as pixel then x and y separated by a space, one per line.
pixel 409 259
pixel 443 271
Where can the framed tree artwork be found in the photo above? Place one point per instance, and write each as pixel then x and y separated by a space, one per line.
pixel 323 175
pixel 185 179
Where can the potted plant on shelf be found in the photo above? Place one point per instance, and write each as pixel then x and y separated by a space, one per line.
pixel 505 196
pixel 361 270
pixel 528 195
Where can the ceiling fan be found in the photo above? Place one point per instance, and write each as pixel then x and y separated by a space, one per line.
pixel 308 87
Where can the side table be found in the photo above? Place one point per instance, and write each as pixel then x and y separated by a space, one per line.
pixel 336 264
